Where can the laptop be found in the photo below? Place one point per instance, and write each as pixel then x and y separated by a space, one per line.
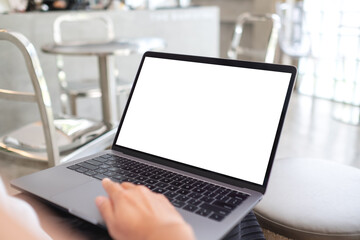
pixel 202 131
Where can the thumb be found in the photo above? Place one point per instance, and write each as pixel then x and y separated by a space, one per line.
pixel 105 208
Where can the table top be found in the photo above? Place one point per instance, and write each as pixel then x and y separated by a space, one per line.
pixel 123 47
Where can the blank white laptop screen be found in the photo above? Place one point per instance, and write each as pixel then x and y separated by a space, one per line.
pixel 219 118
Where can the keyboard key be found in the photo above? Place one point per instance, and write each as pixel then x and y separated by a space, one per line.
pixel 195 195
pixel 183 191
pixel 190 208
pixel 182 198
pixel 156 177
pixel 151 181
pixel 235 201
pixel 216 217
pixel 172 188
pixel 211 187
pixel 165 180
pixel 198 190
pixel 160 190
pixel 105 166
pixel 203 212
pixel 99 176
pixel 141 178
pixel 176 183
pixel 194 202
pixel 81 169
pixel 137 170
pixel 167 175
pixel 88 166
pixel 114 169
pixel 95 163
pixel 177 203
pixel 101 170
pixel 121 171
pixel 216 209
pixel 138 182
pixel 73 167
pixel 110 174
pixel 199 184
pixel 223 205
pixel 208 193
pixel 187 187
pixel 100 159
pixel 162 185
pixel 170 195
pixel 189 181
pixel 149 186
pixel 117 178
pixel 147 174
pixel 127 179
pixel 131 174
pixel 90 173
pixel 222 198
pixel 239 195
pixel 207 199
pixel 178 178
pixel 213 194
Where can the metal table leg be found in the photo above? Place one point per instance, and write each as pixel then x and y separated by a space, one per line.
pixel 108 90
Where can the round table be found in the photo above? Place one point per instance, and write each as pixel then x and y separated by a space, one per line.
pixel 105 52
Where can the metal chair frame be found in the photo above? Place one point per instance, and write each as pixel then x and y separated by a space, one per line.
pixel 41 97
pixel 235 49
pixel 69 96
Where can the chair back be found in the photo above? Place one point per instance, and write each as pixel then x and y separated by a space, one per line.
pixel 237 49
pixel 78 27
pixel 74 19
pixel 292 38
pixel 40 95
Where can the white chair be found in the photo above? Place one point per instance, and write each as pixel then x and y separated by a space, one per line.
pixel 237 48
pixel 51 139
pixel 83 88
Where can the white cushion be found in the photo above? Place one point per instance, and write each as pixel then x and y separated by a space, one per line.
pixel 313 197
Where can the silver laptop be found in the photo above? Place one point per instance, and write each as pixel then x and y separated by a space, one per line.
pixel 202 131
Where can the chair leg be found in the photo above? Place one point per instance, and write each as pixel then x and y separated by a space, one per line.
pixel 64 101
pixel 73 106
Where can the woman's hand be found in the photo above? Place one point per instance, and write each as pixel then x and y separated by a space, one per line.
pixel 134 212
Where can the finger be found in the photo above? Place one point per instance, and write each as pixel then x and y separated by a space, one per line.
pixel 110 186
pixel 105 207
pixel 127 185
pixel 113 189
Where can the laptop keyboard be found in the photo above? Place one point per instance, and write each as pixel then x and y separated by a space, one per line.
pixel 205 199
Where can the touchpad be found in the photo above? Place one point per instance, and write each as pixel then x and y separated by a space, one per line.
pixel 80 201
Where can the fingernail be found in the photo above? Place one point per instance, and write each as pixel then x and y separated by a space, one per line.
pixel 99 201
pixel 106 181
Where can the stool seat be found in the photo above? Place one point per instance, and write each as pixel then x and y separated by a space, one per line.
pixel 312 199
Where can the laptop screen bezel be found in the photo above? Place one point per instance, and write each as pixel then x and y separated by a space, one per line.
pixel 195 170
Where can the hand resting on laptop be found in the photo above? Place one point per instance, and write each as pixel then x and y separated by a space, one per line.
pixel 134 212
